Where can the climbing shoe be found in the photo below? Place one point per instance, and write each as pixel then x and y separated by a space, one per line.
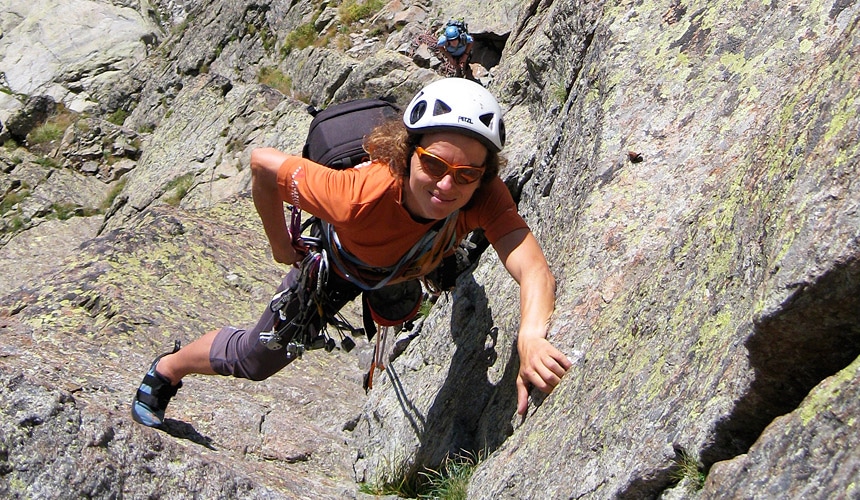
pixel 152 396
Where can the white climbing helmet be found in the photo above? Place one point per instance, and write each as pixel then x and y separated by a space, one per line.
pixel 458 105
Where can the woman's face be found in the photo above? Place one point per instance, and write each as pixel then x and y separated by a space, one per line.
pixel 429 198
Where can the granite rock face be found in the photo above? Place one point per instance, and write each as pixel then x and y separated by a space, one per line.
pixel 72 50
pixel 688 168
pixel 77 341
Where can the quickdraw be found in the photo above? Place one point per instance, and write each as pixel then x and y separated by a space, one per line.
pixel 378 362
pixel 302 319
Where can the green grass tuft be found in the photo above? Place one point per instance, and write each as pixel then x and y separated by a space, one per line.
pixel 451 482
pixel 273 77
pixel 303 36
pixel 178 188
pixel 118 117
pixel 53 128
pixel 688 469
pixel 13 198
pixel 115 191
pixel 45 133
pixel 351 11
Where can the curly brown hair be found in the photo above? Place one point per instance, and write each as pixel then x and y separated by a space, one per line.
pixel 393 144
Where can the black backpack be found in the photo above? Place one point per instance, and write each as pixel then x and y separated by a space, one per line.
pixel 337 133
pixel 336 136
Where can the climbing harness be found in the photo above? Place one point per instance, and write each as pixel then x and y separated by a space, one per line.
pixel 432 245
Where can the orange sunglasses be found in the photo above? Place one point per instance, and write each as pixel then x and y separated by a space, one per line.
pixel 437 168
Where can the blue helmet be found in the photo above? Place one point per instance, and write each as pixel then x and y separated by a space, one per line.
pixel 451 32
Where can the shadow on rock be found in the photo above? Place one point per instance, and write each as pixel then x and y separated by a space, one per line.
pixel 183 430
pixel 456 423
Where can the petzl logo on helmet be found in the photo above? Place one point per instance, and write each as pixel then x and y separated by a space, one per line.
pixel 465 119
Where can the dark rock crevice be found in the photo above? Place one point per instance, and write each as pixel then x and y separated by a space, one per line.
pixel 815 334
pixel 487 49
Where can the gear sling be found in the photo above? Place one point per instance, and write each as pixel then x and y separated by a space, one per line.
pixel 306 309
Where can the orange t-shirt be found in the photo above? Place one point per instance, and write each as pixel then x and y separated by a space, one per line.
pixel 364 205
